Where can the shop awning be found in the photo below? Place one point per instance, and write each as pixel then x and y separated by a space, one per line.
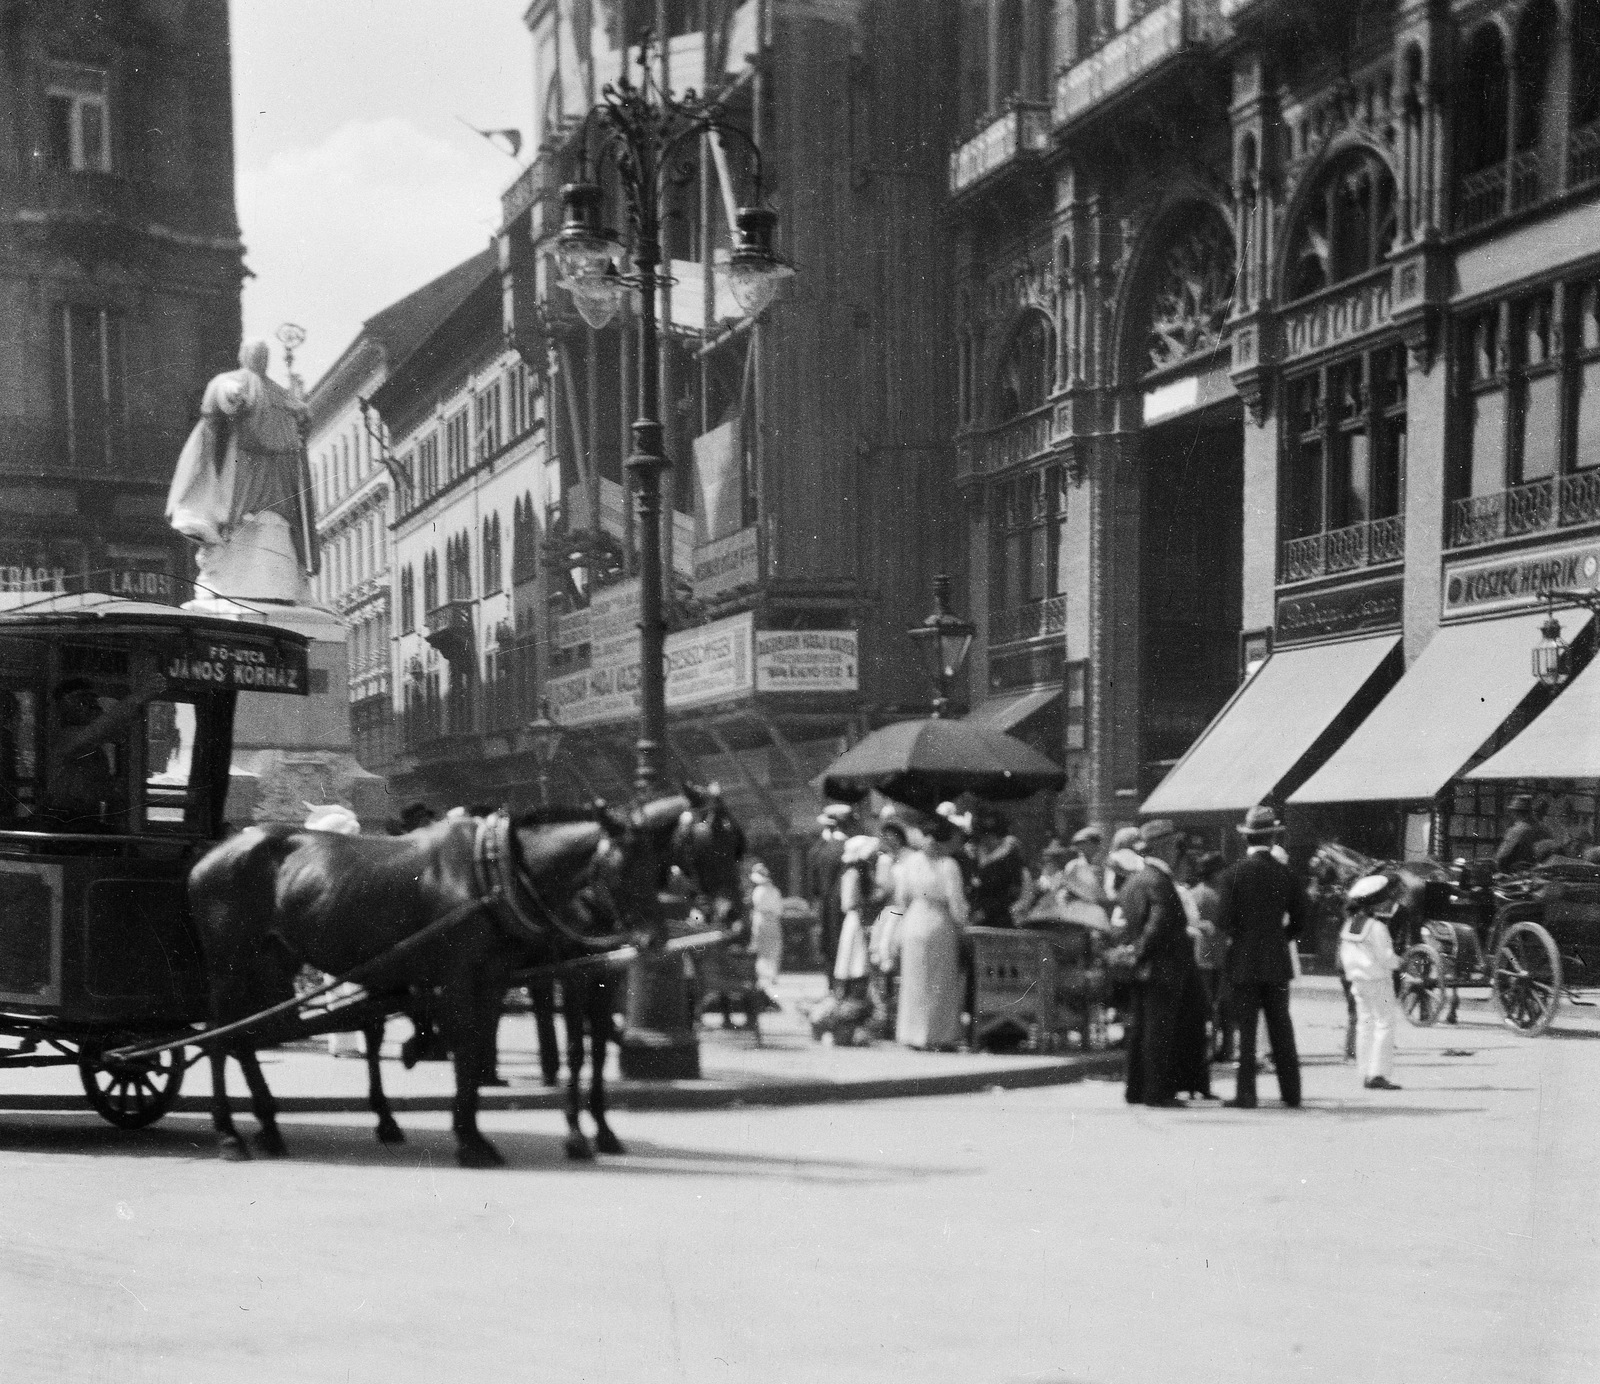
pixel 1008 712
pixel 1562 743
pixel 1451 700
pixel 1271 722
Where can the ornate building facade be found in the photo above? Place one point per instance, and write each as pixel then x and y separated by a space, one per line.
pixel 811 447
pixel 1275 323
pixel 351 464
pixel 120 265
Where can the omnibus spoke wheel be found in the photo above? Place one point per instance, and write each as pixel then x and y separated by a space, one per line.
pixel 131 1095
pixel 1423 993
pixel 1527 978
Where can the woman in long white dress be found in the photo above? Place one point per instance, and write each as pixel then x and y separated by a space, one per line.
pixel 932 901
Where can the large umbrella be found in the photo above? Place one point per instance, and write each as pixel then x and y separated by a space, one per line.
pixel 922 762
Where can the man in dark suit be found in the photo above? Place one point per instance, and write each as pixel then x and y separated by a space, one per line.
pixel 1261 908
pixel 1166 1040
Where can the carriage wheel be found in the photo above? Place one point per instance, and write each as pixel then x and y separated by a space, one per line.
pixel 1423 992
pixel 1527 978
pixel 132 1095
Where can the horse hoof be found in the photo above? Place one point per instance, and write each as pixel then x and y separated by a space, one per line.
pixel 232 1149
pixel 390 1133
pixel 579 1149
pixel 270 1142
pixel 607 1142
pixel 481 1155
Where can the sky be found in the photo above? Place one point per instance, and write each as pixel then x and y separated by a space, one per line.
pixel 356 181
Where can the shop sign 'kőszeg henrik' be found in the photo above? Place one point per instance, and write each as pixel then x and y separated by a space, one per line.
pixel 1518 579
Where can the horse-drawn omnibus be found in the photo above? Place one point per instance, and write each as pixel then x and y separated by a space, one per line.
pixel 116 727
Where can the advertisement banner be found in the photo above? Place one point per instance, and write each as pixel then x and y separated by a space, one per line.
pixel 807 661
pixel 710 663
pixel 730 564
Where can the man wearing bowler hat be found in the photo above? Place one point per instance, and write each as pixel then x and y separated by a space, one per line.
pixel 1517 847
pixel 1262 909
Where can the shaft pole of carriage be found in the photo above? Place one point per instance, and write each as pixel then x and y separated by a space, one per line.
pixel 355 976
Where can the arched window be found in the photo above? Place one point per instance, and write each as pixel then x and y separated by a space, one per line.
pixel 491 555
pixel 1022 383
pixel 1192 291
pixel 1538 124
pixel 1346 227
pixel 1481 128
pixel 408 600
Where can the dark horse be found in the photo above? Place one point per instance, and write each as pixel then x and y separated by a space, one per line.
pixel 545 887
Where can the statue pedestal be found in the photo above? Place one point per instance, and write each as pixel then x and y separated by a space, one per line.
pixel 288 751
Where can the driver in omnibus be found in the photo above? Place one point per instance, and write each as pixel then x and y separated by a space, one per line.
pixel 87 788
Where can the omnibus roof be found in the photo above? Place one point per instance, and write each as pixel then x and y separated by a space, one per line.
pixel 103 614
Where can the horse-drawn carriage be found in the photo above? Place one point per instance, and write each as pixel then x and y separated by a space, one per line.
pixel 115 739
pixel 132 933
pixel 1532 938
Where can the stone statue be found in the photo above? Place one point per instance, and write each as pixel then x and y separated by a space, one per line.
pixel 242 489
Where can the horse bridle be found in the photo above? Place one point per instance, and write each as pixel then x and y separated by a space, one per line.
pixel 503 883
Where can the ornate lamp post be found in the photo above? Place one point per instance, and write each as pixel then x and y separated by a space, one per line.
pixel 643 133
pixel 946 640
pixel 545 732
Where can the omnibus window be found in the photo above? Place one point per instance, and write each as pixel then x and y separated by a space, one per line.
pixel 169 730
pixel 19 761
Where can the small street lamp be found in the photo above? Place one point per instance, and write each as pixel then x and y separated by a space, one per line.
pixel 1552 656
pixel 946 640
pixel 546 734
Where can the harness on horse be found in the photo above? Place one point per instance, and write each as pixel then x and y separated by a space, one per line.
pixel 500 881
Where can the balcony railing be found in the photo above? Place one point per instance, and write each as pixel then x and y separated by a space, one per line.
pixel 1168 30
pixel 1528 181
pixel 499 706
pixel 532 183
pixel 1368 544
pixel 1583 155
pixel 1480 197
pixel 1009 444
pixel 1021 132
pixel 1559 502
pixel 1036 620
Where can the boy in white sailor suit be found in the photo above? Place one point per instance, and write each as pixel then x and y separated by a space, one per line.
pixel 1366 951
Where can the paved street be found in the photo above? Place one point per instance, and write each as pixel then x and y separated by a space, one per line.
pixel 1448 1232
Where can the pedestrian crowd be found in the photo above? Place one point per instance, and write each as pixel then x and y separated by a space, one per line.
pixel 1199 954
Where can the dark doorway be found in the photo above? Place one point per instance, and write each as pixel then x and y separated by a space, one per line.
pixel 1191 576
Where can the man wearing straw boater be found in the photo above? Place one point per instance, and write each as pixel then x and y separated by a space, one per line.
pixel 1262 909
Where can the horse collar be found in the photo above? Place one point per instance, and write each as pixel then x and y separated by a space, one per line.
pixel 492 871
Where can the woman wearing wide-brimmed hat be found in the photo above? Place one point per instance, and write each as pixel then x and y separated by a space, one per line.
pixel 931 897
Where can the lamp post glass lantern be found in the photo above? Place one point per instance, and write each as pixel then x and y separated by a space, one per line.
pixel 643 133
pixel 545 732
pixel 1550 654
pixel 946 640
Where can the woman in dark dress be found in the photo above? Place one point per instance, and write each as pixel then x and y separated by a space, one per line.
pixel 1166 1039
